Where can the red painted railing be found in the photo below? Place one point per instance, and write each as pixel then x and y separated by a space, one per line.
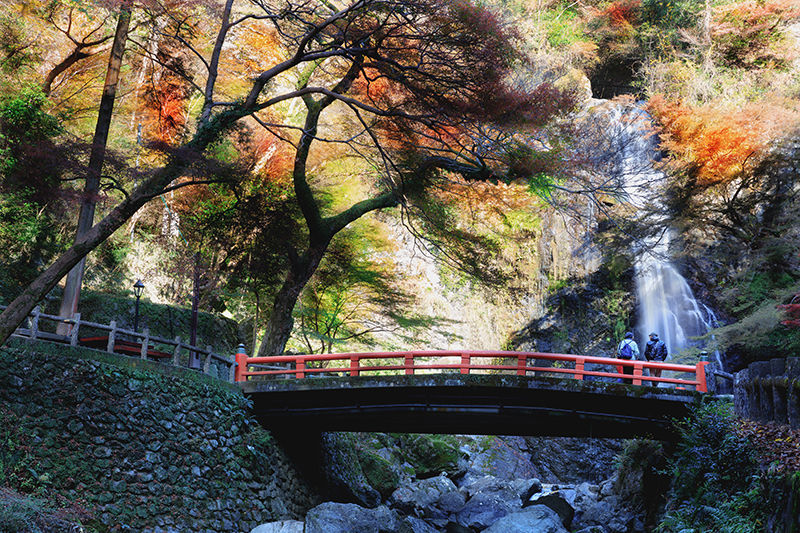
pixel 465 362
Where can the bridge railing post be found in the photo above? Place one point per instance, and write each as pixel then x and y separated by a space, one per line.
pixel 408 363
pixel 638 370
pixel 354 371
pixel 580 367
pixel 522 363
pixel 700 375
pixel 76 325
pixel 300 368
pixel 465 360
pixel 241 363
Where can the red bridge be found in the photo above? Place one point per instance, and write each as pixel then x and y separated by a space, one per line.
pixel 470 392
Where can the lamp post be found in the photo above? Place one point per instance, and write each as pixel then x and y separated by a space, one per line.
pixel 138 287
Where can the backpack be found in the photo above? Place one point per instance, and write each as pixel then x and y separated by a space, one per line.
pixel 626 352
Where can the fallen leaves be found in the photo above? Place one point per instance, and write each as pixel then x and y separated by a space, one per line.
pixel 777 446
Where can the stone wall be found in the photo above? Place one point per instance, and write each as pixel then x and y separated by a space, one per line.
pixel 769 391
pixel 143 446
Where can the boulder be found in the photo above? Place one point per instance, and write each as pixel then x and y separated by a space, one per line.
pixel 504 458
pixel 333 517
pixel 535 519
pixel 484 509
pixel 412 524
pixel 560 501
pixel 282 526
pixel 433 497
pixel 503 489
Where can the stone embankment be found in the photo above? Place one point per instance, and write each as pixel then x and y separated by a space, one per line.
pixel 142 450
pixel 769 391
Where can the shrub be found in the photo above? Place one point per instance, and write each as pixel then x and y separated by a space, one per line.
pixel 715 476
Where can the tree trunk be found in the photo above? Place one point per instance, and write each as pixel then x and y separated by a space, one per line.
pixel 280 324
pixel 72 287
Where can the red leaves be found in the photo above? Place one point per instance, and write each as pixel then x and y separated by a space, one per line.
pixel 623 12
pixel 793 312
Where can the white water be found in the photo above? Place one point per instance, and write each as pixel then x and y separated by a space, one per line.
pixel 667 305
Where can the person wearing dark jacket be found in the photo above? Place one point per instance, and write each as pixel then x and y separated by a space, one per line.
pixel 655 350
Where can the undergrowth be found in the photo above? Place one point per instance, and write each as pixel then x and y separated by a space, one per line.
pixel 716 483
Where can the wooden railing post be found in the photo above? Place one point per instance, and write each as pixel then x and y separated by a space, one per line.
pixel 35 322
pixel 700 375
pixel 145 343
pixel 73 335
pixel 176 355
pixel 354 371
pixel 638 370
pixel 408 362
pixel 300 368
pixel 241 364
pixel 207 362
pixel 465 361
pixel 112 336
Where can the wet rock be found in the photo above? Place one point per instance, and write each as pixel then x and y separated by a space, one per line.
pixel 538 518
pixel 333 517
pixel 283 526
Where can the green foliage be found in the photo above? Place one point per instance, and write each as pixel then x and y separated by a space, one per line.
pixel 563 26
pixel 28 239
pixel 715 476
pixel 671 14
pixel 24 114
pixel 18 514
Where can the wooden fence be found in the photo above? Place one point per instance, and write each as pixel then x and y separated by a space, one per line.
pixel 145 346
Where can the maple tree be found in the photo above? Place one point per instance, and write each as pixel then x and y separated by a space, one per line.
pixel 445 108
pixel 724 162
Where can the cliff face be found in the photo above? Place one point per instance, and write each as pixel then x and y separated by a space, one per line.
pixel 142 449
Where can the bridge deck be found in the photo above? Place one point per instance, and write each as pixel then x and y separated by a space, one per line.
pixel 469 404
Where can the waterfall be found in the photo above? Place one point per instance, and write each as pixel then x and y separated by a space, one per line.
pixel 666 304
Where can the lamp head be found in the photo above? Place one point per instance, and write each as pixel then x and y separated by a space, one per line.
pixel 138 287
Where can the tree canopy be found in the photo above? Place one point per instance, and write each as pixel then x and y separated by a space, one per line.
pixel 423 91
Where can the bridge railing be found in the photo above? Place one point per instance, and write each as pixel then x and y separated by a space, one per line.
pixel 465 362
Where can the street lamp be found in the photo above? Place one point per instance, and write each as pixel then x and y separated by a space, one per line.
pixel 138 287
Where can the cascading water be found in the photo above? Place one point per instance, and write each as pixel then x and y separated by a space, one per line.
pixel 667 305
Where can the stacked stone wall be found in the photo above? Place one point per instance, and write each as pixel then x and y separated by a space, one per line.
pixel 769 391
pixel 143 446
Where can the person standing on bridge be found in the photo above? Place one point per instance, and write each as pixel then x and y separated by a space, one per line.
pixel 655 350
pixel 628 350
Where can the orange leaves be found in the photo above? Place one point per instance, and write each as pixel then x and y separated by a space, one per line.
pixel 719 142
pixel 623 12
pixel 258 48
